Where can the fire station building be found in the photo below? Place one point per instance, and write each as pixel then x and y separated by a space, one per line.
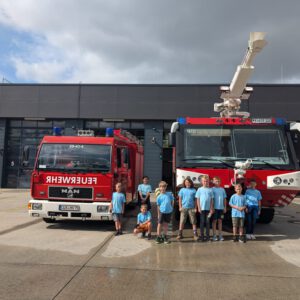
pixel 30 111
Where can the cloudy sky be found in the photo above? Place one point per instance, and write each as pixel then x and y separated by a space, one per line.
pixel 146 41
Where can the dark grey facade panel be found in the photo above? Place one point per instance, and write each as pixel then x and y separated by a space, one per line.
pixel 59 101
pixel 137 102
pixel 2 146
pixel 153 152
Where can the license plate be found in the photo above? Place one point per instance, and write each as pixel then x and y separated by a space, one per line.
pixel 104 218
pixel 69 207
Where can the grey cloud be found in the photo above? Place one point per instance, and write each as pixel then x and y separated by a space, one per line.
pixel 176 41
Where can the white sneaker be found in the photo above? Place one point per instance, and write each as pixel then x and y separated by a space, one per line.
pixel 248 236
pixel 253 237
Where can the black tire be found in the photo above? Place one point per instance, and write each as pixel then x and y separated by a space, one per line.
pixel 266 215
pixel 49 220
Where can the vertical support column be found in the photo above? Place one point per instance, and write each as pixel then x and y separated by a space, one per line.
pixel 153 151
pixel 2 146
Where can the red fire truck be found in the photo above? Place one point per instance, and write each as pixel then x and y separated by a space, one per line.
pixel 74 176
pixel 238 148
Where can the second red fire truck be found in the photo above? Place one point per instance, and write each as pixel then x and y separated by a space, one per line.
pixel 74 176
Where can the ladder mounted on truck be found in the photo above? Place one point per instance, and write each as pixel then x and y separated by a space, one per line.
pixel 237 90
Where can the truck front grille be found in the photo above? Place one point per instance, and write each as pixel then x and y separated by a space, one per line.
pixel 70 193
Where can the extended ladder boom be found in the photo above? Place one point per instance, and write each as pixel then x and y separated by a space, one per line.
pixel 237 90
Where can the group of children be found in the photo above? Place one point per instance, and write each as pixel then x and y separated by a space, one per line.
pixel 208 202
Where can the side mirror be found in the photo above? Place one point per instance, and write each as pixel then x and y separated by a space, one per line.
pixel 172 139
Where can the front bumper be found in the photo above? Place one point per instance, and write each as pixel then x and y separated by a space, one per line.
pixel 61 210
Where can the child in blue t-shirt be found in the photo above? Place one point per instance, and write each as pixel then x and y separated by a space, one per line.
pixel 143 222
pixel 204 197
pixel 187 207
pixel 238 206
pixel 253 203
pixel 165 203
pixel 144 191
pixel 117 206
pixel 219 208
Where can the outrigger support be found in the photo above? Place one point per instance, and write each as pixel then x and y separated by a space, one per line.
pixel 237 90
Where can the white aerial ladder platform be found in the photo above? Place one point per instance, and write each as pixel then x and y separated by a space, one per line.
pixel 237 90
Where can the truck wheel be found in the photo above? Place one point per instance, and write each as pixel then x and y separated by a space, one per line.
pixel 49 220
pixel 266 215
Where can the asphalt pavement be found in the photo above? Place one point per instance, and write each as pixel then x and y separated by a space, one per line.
pixel 84 260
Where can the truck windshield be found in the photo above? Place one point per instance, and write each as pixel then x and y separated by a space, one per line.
pixel 67 157
pixel 263 145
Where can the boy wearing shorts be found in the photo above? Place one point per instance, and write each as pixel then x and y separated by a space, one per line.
pixel 187 207
pixel 219 208
pixel 117 206
pixel 165 203
pixel 238 205
pixel 143 222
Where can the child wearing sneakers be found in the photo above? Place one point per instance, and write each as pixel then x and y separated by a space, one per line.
pixel 143 222
pixel 253 203
pixel 219 208
pixel 165 203
pixel 204 197
pixel 187 207
pixel 238 205
pixel 117 206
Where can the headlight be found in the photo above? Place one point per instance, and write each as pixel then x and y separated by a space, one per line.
pixel 102 208
pixel 36 206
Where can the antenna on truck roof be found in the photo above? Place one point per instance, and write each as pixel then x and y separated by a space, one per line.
pixel 237 90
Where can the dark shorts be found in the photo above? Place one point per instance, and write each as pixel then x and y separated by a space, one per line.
pixel 164 218
pixel 218 214
pixel 238 222
pixel 117 217
pixel 147 201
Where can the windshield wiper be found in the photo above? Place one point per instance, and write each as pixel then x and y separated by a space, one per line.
pixel 266 163
pixel 210 159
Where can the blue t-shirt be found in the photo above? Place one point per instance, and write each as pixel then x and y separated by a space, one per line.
pixel 205 195
pixel 219 196
pixel 187 197
pixel 117 202
pixel 142 218
pixel 253 196
pixel 165 201
pixel 144 189
pixel 237 200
